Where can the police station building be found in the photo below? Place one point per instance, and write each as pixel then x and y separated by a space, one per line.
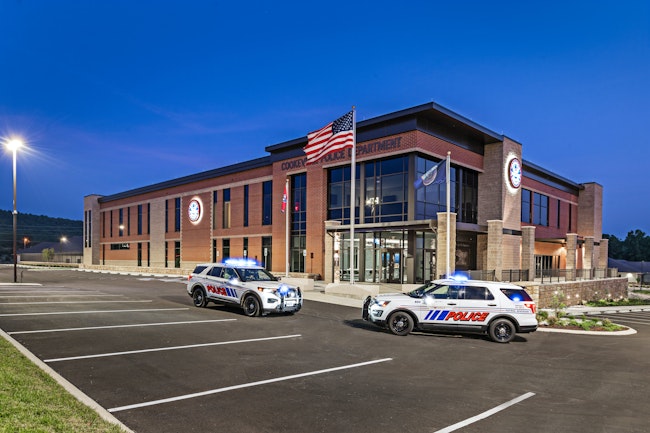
pixel 509 218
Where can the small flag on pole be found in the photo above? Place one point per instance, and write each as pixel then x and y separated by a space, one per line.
pixel 284 200
pixel 436 174
pixel 336 135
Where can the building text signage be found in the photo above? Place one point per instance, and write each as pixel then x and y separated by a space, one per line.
pixel 362 149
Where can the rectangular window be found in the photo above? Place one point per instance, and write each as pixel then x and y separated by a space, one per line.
pixel 128 221
pixel 245 247
pixel 148 218
pixel 103 224
pixel 121 222
pixel 125 246
pixel 245 205
pixel 225 249
pixel 166 216
pixel 177 254
pixel 298 241
pixel 215 194
pixel 139 219
pixel 266 252
pixel 558 213
pixel 111 222
pixel 139 254
pixel 540 209
pixel 267 203
pixel 226 208
pixel 177 214
pixel 525 206
pixel 339 194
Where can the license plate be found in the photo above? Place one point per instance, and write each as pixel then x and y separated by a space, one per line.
pixel 289 303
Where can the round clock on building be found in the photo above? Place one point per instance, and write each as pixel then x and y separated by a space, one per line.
pixel 514 172
pixel 194 210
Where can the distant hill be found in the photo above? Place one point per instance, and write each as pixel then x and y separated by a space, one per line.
pixel 36 228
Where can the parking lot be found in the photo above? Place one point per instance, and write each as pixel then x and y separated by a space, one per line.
pixel 138 347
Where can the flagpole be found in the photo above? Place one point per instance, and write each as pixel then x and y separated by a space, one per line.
pixel 448 185
pixel 353 181
pixel 286 229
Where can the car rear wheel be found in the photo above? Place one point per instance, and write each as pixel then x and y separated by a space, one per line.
pixel 502 331
pixel 199 298
pixel 400 323
pixel 251 306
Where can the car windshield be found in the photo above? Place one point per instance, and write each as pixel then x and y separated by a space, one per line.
pixel 419 292
pixel 247 274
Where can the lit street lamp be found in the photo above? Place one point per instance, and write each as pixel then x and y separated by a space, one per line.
pixel 14 145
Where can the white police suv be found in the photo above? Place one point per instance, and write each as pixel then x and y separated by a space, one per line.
pixel 244 283
pixel 498 309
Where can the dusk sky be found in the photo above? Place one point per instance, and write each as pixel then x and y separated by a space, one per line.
pixel 114 95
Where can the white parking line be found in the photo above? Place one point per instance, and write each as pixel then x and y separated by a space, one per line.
pixel 485 414
pixel 161 349
pixel 245 385
pixel 135 325
pixel 66 294
pixel 73 302
pixel 91 312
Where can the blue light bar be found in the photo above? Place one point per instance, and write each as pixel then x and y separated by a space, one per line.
pixel 240 262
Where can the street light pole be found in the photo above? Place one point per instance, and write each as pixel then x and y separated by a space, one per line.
pixel 13 146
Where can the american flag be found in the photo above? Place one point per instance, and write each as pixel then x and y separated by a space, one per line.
pixel 334 136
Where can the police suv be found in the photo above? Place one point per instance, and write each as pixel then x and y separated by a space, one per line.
pixel 498 309
pixel 244 283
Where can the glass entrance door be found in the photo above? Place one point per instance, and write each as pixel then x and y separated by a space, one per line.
pixel 391 265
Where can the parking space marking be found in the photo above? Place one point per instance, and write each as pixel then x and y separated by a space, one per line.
pixel 245 385
pixel 74 302
pixel 66 294
pixel 90 312
pixel 135 325
pixel 161 349
pixel 486 414
pixel 23 293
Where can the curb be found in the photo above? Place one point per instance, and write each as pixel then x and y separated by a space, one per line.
pixel 69 387
pixel 628 331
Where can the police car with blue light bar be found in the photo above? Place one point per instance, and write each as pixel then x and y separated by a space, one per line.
pixel 499 310
pixel 244 283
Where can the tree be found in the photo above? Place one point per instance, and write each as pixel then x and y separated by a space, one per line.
pixel 635 247
pixel 48 254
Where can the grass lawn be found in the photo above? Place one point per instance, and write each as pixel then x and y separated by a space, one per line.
pixel 31 401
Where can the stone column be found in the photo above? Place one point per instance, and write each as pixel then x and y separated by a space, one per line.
pixel 604 251
pixel 331 264
pixel 495 248
pixel 157 233
pixel 588 260
pixel 528 251
pixel 441 249
pixel 571 259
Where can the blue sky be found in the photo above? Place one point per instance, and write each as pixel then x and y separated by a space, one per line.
pixel 115 95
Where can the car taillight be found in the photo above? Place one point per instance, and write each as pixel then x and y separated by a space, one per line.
pixel 530 306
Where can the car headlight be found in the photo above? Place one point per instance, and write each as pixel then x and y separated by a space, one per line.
pixel 381 304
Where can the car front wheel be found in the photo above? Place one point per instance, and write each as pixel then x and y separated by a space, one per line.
pixel 199 298
pixel 400 323
pixel 251 306
pixel 502 331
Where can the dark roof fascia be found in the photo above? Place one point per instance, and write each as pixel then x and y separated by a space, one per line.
pixel 535 172
pixel 400 123
pixel 223 171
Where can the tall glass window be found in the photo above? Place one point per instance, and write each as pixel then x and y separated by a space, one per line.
pixel 226 208
pixel 177 214
pixel 267 252
pixel 298 221
pixel 431 199
pixel 225 249
pixel 525 206
pixel 339 194
pixel 540 209
pixel 245 205
pixel 139 219
pixel 386 190
pixel 121 223
pixel 267 203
